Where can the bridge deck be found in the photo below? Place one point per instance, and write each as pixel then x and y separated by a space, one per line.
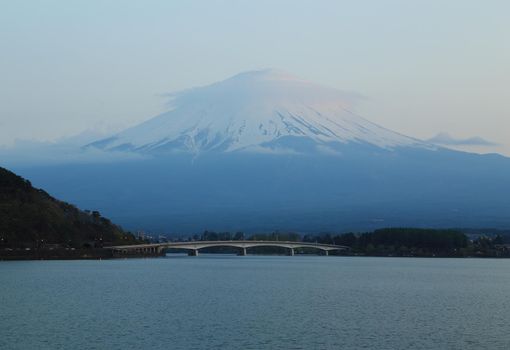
pixel 244 244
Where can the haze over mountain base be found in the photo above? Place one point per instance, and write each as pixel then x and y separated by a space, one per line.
pixel 360 189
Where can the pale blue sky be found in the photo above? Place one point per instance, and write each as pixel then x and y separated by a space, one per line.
pixel 424 66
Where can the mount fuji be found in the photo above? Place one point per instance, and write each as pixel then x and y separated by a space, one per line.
pixel 265 151
pixel 258 111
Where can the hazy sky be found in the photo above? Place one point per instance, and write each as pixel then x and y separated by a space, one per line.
pixel 424 66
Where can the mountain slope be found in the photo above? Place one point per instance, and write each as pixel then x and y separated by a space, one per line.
pixel 253 111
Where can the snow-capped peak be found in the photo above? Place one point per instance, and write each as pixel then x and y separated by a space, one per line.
pixel 252 111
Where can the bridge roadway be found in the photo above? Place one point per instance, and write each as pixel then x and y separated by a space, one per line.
pixel 194 246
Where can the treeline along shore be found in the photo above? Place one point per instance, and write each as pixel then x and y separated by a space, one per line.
pixel 397 242
pixel 388 242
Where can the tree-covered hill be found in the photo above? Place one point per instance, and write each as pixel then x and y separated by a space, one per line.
pixel 30 217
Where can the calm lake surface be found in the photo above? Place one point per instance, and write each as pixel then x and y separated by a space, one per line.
pixel 256 302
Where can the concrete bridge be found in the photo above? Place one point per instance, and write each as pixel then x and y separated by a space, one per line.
pixel 193 247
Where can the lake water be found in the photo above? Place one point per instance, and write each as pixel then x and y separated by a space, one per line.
pixel 256 302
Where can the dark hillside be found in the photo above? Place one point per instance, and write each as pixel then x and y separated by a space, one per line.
pixel 30 217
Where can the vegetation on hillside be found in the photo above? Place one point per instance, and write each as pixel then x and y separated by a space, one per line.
pixel 31 218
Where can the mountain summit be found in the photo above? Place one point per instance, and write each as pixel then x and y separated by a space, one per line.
pixel 267 110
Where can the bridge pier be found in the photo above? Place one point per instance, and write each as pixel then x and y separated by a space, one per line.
pixel 242 252
pixel 193 252
pixel 291 252
pixel 326 252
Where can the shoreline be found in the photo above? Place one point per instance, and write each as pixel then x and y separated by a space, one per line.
pixel 107 254
pixel 67 254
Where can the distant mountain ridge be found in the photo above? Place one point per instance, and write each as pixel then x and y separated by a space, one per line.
pixel 447 140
